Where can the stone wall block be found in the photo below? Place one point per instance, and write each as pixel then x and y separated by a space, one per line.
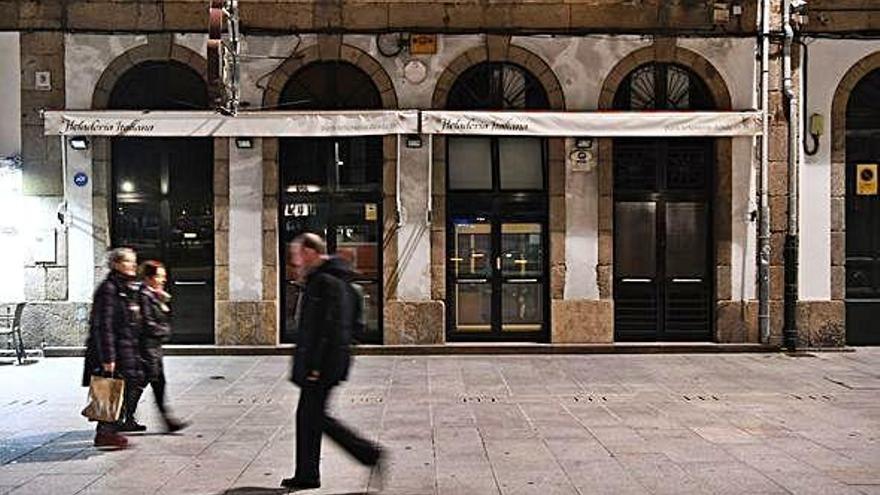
pixel 221 283
pixel 414 323
pixel 366 16
pixel 733 324
pixel 557 280
pixel 723 289
pixel 838 214
pixel 56 283
pixel 838 179
pixel 838 248
pixel 821 323
pixel 55 324
pixel 838 282
pixel 221 247
pixel 605 281
pixel 270 283
pixel 582 321
pixel 778 213
pixel 606 213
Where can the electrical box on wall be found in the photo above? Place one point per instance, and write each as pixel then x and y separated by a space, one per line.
pixel 581 154
pixel 43 81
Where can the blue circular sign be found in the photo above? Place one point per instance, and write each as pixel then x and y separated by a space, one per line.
pixel 80 179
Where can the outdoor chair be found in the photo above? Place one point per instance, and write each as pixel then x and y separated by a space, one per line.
pixel 10 327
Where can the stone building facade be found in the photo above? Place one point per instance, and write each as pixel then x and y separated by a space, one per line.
pixel 471 238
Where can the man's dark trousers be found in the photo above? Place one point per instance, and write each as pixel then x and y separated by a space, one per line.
pixel 311 421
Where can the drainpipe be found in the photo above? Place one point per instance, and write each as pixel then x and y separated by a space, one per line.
pixel 763 182
pixel 790 331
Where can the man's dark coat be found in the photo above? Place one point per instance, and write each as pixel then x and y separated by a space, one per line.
pixel 325 325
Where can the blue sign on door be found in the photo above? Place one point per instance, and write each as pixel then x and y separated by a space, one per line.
pixel 80 179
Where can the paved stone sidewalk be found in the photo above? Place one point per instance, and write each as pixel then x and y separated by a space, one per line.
pixel 473 425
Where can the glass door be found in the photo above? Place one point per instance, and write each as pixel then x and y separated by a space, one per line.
pixel 163 209
pixel 497 278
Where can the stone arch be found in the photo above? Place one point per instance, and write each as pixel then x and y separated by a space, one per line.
pixel 666 54
pixel 842 95
pixel 499 51
pixel 498 48
pixel 328 50
pixel 155 50
pixel 729 327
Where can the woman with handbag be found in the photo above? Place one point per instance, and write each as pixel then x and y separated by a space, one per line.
pixel 112 345
pixel 156 330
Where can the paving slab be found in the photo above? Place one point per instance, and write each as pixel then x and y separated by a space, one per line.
pixel 723 424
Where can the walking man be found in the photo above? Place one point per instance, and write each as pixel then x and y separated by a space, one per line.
pixel 328 312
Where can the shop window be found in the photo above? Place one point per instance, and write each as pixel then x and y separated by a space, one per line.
pixel 520 161
pixel 470 163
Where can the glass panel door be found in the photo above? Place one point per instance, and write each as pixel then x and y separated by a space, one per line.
pixel 163 209
pixel 498 278
pixel 522 273
pixel 471 265
pixel 353 233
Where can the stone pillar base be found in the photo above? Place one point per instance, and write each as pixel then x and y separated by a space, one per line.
pixel 582 321
pixel 415 322
pixel 55 323
pixel 821 323
pixel 736 322
pixel 246 323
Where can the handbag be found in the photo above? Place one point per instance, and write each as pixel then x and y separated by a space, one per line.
pixel 105 399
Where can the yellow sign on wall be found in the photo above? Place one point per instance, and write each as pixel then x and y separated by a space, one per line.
pixel 423 44
pixel 866 179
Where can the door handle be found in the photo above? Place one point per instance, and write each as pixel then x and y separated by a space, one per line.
pixel 636 280
pixel 472 281
pixel 522 281
pixel 687 280
pixel 498 262
pixel 190 282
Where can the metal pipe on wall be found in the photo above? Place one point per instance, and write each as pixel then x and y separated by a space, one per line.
pixel 763 183
pixel 790 331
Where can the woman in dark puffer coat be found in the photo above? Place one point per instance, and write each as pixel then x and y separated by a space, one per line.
pixel 112 345
pixel 156 330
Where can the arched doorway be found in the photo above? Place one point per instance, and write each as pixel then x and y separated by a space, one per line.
pixel 497 280
pixel 663 237
pixel 333 186
pixel 863 212
pixel 162 193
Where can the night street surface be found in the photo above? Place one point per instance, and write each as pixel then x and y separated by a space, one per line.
pixel 473 425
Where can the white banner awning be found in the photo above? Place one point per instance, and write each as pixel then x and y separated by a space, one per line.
pixel 388 122
pixel 251 124
pixel 592 124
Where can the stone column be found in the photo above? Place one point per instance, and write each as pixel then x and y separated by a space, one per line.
pixel 241 314
pixel 412 317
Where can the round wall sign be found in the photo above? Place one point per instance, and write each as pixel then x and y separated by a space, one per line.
pixel 80 179
pixel 415 71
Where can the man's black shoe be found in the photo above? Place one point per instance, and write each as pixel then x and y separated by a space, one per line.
pixel 131 427
pixel 298 484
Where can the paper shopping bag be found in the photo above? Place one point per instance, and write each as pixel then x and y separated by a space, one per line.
pixel 105 399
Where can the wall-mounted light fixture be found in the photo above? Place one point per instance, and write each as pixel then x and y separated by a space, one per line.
pixel 817 128
pixel 583 142
pixel 244 143
pixel 413 141
pixel 79 143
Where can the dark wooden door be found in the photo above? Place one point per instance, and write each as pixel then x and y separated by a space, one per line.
pixel 663 277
